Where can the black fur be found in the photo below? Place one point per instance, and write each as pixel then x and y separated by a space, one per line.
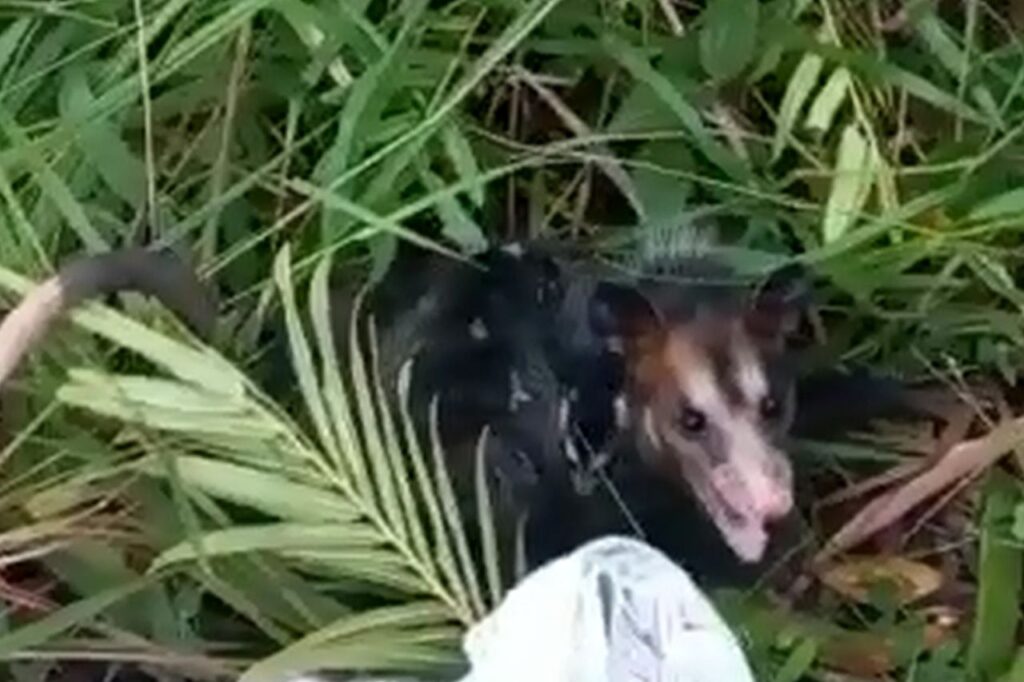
pixel 541 323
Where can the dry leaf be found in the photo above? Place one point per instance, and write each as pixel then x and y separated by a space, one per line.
pixel 855 578
pixel 872 654
pixel 965 460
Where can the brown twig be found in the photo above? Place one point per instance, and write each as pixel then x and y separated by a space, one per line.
pixel 965 460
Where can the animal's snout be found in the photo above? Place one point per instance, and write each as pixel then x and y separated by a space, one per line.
pixel 753 492
pixel 771 500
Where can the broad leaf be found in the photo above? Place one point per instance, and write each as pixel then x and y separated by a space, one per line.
pixel 728 37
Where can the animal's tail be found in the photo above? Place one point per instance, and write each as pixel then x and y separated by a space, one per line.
pixel 159 274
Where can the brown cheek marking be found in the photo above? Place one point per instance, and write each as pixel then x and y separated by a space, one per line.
pixel 682 357
pixel 652 391
pixel 645 359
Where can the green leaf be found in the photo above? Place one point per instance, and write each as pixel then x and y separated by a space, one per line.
pixel 799 661
pixel 76 614
pixel 367 416
pixel 995 275
pixel 804 79
pixel 437 658
pixel 485 515
pixel 638 65
pixel 928 91
pixel 1018 522
pixel 349 455
pixel 274 537
pixel 302 355
pixel 728 37
pixel 266 491
pixel 10 38
pixel 931 30
pixel 854 173
pixel 353 119
pixel 51 183
pixel 466 578
pixel 372 640
pixel 1005 205
pixel 458 226
pixel 659 178
pixel 429 493
pixel 1016 671
pixel 122 171
pixel 1001 565
pixel 460 152
pixel 832 95
pixel 402 150
pixel 880 225
pixel 212 34
pixel 163 404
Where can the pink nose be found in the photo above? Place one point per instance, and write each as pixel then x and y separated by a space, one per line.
pixel 773 502
pixel 753 492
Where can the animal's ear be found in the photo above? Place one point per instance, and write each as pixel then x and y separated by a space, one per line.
pixel 617 310
pixel 776 306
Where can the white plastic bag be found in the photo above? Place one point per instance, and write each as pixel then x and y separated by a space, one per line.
pixel 615 610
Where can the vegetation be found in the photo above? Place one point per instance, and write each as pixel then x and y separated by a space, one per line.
pixel 159 508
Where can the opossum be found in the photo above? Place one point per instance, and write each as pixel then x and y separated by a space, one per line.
pixel 680 372
pixel 567 362
pixel 709 392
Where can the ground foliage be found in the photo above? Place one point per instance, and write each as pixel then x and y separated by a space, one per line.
pixel 158 509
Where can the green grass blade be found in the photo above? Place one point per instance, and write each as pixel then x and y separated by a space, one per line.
pixel 366 633
pixel 798 663
pixel 53 185
pixel 100 144
pixel 1004 205
pixel 460 152
pixel 74 615
pixel 1001 567
pixel 209 34
pixel 637 64
pixel 10 39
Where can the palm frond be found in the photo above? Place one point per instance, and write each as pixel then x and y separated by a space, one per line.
pixel 358 498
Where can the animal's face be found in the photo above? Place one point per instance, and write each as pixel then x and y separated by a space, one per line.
pixel 711 415
pixel 709 402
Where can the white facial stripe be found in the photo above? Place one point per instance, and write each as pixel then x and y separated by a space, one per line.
pixel 749 375
pixel 621 412
pixel 746 448
pixel 755 464
pixel 704 393
pixel 650 428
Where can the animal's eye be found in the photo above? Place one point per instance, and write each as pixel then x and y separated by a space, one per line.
pixel 770 408
pixel 692 421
